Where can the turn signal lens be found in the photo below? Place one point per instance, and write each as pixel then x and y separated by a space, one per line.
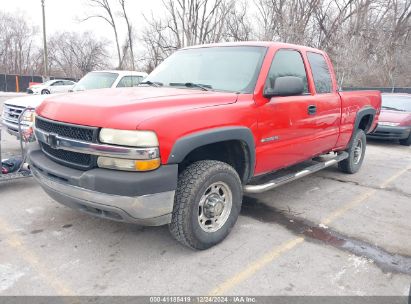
pixel 128 164
pixel 147 165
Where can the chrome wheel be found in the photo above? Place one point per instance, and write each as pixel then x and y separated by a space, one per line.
pixel 215 207
pixel 358 152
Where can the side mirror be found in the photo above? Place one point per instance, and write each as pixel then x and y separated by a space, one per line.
pixel 285 86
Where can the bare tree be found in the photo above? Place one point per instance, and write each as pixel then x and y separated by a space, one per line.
pixel 369 41
pixel 16 44
pixel 238 25
pixel 286 20
pixel 191 22
pixel 129 31
pixel 73 55
pixel 196 21
pixel 107 15
pixel 156 44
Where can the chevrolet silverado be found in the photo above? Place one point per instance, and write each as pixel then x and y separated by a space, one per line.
pixel 208 124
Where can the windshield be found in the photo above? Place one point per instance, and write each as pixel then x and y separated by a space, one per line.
pixel 233 69
pixel 396 103
pixel 96 80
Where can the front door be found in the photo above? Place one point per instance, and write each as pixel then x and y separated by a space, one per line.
pixel 286 124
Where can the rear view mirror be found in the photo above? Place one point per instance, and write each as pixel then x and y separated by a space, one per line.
pixel 285 86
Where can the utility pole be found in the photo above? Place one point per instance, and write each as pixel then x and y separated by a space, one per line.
pixel 46 64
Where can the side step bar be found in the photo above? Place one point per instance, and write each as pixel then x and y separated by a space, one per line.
pixel 294 176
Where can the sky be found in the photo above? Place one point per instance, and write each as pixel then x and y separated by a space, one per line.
pixel 65 15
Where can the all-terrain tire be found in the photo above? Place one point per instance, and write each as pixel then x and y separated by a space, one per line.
pixel 355 158
pixel 193 184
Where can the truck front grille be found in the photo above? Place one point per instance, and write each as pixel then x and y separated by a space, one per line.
pixel 83 133
pixel 71 159
pixel 68 158
pixel 11 114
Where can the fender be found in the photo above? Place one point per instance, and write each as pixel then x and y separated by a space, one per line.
pixel 183 146
pixel 360 114
pixel 363 112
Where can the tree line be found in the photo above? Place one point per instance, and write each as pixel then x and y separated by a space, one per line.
pixel 368 40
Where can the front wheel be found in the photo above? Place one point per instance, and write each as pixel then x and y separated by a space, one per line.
pixel 356 153
pixel 45 92
pixel 207 204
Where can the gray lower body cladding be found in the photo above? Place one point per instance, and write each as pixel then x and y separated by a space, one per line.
pixel 142 198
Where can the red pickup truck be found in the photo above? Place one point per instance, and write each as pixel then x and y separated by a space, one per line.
pixel 206 125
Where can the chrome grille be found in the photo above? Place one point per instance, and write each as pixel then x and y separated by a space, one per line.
pixel 11 114
pixel 83 133
pixel 72 159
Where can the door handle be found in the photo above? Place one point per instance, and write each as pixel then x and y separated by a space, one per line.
pixel 312 110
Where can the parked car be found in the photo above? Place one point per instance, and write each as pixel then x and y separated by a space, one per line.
pixel 205 126
pixel 94 80
pixel 51 87
pixel 395 119
pixel 109 79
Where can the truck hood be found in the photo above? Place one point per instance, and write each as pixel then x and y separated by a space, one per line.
pixel 127 108
pixel 394 116
pixel 32 101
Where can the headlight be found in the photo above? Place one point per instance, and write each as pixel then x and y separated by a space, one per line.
pixel 389 124
pixel 29 116
pixel 128 164
pixel 129 138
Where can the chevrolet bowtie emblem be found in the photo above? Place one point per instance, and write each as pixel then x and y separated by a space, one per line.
pixel 52 140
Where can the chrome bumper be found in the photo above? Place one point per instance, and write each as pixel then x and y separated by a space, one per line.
pixel 13 129
pixel 149 210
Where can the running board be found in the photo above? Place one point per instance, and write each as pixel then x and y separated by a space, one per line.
pixel 294 176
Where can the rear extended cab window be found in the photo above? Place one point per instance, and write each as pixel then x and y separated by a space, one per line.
pixel 287 62
pixel 321 73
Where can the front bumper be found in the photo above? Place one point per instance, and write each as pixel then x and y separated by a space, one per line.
pixel 13 129
pixel 141 198
pixel 387 132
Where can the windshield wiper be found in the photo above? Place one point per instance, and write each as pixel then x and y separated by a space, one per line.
pixel 392 108
pixel 151 84
pixel 204 87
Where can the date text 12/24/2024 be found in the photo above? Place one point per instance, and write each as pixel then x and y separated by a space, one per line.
pixel 176 299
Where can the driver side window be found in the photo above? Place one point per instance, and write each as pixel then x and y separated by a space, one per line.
pixel 287 63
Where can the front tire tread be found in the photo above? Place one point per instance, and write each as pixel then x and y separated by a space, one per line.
pixel 189 183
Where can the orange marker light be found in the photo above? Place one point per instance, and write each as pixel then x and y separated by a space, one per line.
pixel 147 165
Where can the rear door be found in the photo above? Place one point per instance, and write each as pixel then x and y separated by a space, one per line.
pixel 328 103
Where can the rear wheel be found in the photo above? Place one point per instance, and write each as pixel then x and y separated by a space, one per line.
pixel 356 153
pixel 207 204
pixel 406 142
